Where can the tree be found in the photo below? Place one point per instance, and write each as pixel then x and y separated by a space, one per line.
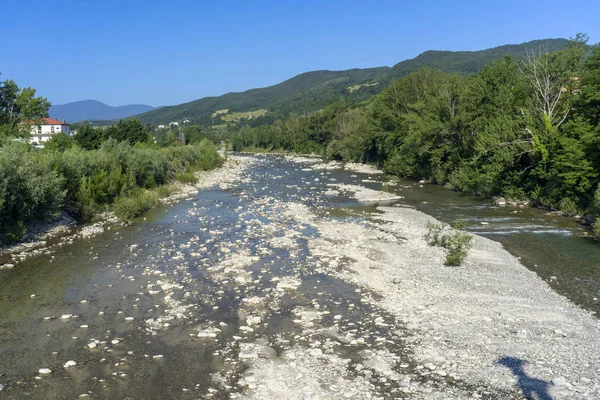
pixel 130 130
pixel 59 142
pixel 89 138
pixel 20 106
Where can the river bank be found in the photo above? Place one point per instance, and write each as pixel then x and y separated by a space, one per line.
pixel 43 237
pixel 275 282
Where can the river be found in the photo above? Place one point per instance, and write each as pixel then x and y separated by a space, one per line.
pixel 178 304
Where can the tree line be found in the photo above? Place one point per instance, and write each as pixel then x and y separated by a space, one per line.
pixel 524 129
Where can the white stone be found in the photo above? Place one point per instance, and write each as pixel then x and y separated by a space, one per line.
pixel 66 316
pixel 92 345
pixel 69 364
pixel 44 371
pixel 559 381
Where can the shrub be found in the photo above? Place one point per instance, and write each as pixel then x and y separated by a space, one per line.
pixel 132 205
pixel 30 189
pixel 86 206
pixel 186 177
pixel 457 241
pixel 37 185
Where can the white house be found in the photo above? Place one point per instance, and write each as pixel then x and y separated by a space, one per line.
pixel 43 132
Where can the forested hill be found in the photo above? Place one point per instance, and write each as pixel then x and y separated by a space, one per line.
pixel 468 62
pixel 312 90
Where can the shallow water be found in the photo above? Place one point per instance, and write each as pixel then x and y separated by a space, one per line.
pixel 194 266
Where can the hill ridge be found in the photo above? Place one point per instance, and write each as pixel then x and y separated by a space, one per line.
pixel 311 90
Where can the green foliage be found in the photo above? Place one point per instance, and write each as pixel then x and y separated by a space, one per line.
pixel 457 242
pixel 30 189
pixel 38 185
pixel 59 142
pixel 186 177
pixel 89 138
pixel 19 109
pixel 135 203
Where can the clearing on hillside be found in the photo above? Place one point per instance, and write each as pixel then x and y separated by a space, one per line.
pixel 356 87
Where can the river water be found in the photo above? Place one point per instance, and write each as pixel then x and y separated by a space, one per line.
pixel 163 308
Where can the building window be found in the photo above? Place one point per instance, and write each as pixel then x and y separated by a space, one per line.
pixel 52 129
pixel 39 129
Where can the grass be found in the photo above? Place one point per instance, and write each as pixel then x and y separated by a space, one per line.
pixel 236 116
pixel 356 87
pixel 219 112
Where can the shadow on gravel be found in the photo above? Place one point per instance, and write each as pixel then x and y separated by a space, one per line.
pixel 532 388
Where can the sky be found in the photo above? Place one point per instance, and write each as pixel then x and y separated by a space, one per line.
pixel 170 52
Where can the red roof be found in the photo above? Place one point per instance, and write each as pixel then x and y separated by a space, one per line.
pixel 52 121
pixel 47 121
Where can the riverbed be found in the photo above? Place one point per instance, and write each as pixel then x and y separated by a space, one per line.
pixel 281 284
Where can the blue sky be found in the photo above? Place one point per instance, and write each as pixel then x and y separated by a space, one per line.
pixel 169 52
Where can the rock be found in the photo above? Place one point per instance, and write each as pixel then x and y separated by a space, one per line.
pixel 1 387
pixel 44 371
pixel 66 316
pixel 69 364
pixel 439 360
pixel 248 351
pixel 7 266
pixel 404 383
pixel 501 201
pixel 559 381
pixel 92 345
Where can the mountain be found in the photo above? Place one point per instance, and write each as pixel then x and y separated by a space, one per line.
pixel 88 110
pixel 310 91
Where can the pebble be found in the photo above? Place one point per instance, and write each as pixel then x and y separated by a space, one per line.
pixel 559 381
pixel 44 371
pixel 69 364
pixel 1 387
pixel 92 345
pixel 66 316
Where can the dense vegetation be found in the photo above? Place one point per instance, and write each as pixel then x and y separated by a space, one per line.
pixel 311 91
pixel 524 129
pixel 114 167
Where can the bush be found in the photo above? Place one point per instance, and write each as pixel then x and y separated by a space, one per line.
pixel 130 206
pixel 38 185
pixel 30 189
pixel 186 177
pixel 457 241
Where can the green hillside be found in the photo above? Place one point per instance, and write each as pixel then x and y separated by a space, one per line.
pixel 310 91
